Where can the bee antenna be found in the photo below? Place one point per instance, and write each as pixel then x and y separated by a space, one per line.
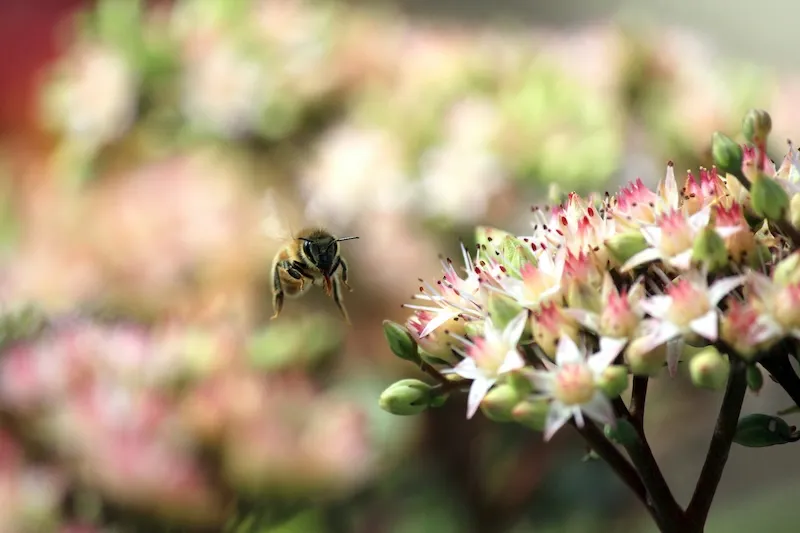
pixel 345 239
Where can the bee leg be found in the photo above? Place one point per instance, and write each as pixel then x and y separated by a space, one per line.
pixel 341 263
pixel 277 293
pixel 337 297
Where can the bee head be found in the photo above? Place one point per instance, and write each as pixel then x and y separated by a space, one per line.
pixel 323 251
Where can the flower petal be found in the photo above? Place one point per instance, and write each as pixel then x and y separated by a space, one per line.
pixel 656 306
pixel 674 352
pixel 600 409
pixel 467 369
pixel 480 386
pixel 587 319
pixel 567 351
pixel 512 361
pixel 645 256
pixel 727 231
pixel 700 219
pixel 514 329
pixel 681 261
pixel 557 416
pixel 609 350
pixel 653 235
pixel 720 288
pixel 542 381
pixel 442 316
pixel 706 326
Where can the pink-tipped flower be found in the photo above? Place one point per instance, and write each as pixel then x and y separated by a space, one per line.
pixel 620 313
pixel 636 205
pixel 745 329
pixel 671 239
pixel 687 310
pixel 488 358
pixel 778 303
pixel 439 341
pixel 571 384
pixel 549 324
pixel 539 284
pixel 702 191
pixel 732 226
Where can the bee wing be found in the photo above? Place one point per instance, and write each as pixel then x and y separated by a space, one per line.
pixel 275 223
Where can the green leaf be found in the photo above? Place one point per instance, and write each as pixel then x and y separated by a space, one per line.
pixel 760 430
pixel 623 433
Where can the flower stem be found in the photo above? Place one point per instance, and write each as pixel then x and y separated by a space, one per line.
pixel 781 369
pixel 638 399
pixel 717 456
pixel 624 470
pixel 670 516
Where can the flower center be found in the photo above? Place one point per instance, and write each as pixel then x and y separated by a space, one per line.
pixel 688 303
pixel 676 235
pixel 574 384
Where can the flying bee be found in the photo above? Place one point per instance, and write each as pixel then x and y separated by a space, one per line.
pixel 311 258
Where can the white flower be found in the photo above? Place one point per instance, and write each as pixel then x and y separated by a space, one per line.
pixel 223 90
pixel 539 284
pixel 689 308
pixel 571 384
pixel 488 358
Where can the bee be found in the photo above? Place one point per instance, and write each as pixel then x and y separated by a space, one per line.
pixel 311 258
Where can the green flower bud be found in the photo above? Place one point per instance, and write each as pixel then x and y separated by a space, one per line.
pixel 436 361
pixel 755 379
pixel 531 413
pixel 583 296
pixel 727 154
pixel 502 309
pixel 406 397
pixel 623 246
pixel 759 430
pixel 760 256
pixel 613 381
pixel 787 272
pixel 514 253
pixel 520 383
pixel 400 341
pixel 769 198
pixel 794 211
pixel 490 237
pixel 622 432
pixel 498 403
pixel 474 328
pixel 709 369
pixel 709 250
pixel 644 362
pixel 756 126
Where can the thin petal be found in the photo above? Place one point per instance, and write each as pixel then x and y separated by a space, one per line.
pixel 609 350
pixel 542 381
pixel 652 234
pixel 515 328
pixel 567 351
pixel 656 306
pixel 671 188
pixel 706 326
pixel 467 369
pixel 645 256
pixel 587 319
pixel 600 409
pixel 719 289
pixel 727 231
pixel 557 416
pixel 512 361
pixel 700 219
pixel 681 261
pixel 674 352
pixel 477 391
pixel 441 317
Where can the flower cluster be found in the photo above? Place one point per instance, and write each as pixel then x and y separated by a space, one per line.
pixel 175 423
pixel 554 322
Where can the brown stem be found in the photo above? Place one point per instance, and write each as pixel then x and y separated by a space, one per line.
pixel 781 369
pixel 670 515
pixel 717 456
pixel 638 399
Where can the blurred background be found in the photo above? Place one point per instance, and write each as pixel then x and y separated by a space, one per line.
pixel 155 156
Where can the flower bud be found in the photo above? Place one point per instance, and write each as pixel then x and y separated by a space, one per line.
pixel 709 250
pixel 756 126
pixel 758 430
pixel 400 341
pixel 490 237
pixel 532 413
pixel 583 296
pixel 787 272
pixel 769 198
pixel 622 432
pixel 755 379
pixel 643 360
pixel 406 397
pixel 623 246
pixel 520 383
pixel 709 369
pixel 498 403
pixel 727 153
pixel 613 381
pixel 502 309
pixel 474 328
